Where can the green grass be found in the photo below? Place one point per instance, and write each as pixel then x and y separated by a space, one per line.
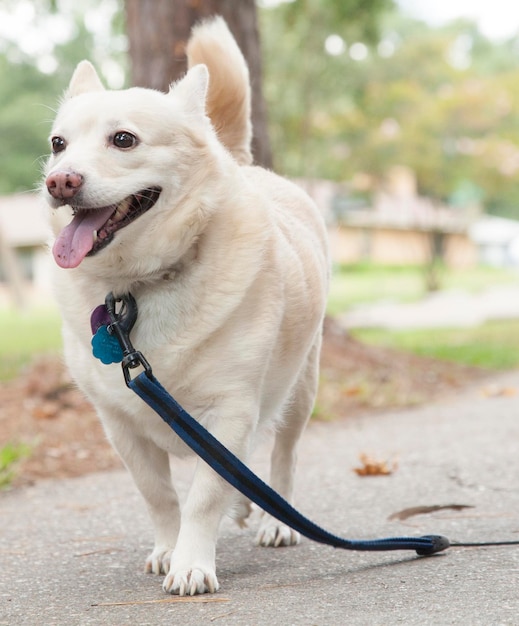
pixel 24 335
pixel 363 283
pixel 352 285
pixel 494 345
pixel 10 455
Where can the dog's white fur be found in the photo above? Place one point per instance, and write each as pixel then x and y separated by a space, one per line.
pixel 229 270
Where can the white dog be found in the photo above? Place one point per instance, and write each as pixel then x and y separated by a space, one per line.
pixel 154 194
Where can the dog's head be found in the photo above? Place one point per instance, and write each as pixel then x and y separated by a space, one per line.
pixel 126 169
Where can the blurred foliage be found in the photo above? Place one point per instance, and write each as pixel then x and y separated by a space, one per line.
pixel 442 101
pixel 22 109
pixel 29 96
pixel 359 17
pixel 306 88
pixel 391 90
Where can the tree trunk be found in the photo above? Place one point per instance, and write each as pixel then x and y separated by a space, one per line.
pixel 158 31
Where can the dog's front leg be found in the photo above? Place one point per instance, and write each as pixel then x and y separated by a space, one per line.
pixel 149 467
pixel 193 562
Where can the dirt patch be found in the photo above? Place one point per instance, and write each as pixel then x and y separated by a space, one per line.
pixel 356 378
pixel 43 409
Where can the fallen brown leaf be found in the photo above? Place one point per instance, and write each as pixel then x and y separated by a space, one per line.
pixel 46 410
pixel 421 510
pixel 495 391
pixel 373 467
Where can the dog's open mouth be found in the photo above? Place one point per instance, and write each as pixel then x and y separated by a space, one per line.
pixel 92 229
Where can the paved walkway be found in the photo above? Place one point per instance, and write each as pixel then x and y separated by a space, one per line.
pixel 453 308
pixel 72 551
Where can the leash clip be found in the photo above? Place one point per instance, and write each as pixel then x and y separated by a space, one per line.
pixel 121 324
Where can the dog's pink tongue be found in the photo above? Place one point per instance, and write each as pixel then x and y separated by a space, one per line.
pixel 77 239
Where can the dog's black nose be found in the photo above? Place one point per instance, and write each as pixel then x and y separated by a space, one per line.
pixel 64 184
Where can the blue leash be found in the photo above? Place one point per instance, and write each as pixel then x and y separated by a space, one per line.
pixel 216 455
pixel 225 463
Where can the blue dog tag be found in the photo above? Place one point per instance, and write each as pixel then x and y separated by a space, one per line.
pixel 105 347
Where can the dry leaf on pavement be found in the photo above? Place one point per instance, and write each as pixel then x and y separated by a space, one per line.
pixel 374 467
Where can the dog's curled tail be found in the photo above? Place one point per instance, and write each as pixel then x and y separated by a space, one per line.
pixel 228 99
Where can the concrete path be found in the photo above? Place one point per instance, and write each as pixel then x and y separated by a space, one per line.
pixel 452 308
pixel 72 551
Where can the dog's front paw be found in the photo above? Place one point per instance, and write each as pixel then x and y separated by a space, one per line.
pixel 274 533
pixel 191 581
pixel 159 560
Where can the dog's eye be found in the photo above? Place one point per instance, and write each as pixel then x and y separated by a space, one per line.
pixel 58 144
pixel 124 140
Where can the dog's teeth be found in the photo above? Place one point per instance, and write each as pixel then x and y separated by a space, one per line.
pixel 121 211
pixel 94 236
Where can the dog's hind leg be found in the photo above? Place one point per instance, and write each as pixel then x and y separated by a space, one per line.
pixel 272 532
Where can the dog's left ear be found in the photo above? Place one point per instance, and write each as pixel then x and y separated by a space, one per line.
pixel 192 89
pixel 84 79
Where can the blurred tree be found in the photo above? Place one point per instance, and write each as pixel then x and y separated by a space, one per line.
pixel 29 96
pixel 158 31
pixel 435 106
pixel 25 97
pixel 352 88
pixel 442 101
pixel 306 42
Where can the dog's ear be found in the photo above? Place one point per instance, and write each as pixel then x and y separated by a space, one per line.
pixel 192 89
pixel 84 79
